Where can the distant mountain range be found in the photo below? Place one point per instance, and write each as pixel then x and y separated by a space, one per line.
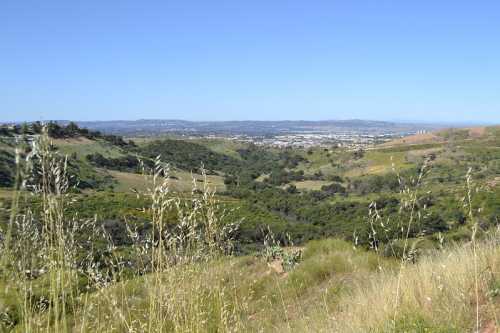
pixel 150 127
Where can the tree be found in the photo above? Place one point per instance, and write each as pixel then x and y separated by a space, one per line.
pixel 72 129
pixel 25 129
pixel 434 223
pixel 359 154
pixel 292 189
pixel 333 189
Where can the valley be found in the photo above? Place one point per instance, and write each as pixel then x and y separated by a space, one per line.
pixel 305 219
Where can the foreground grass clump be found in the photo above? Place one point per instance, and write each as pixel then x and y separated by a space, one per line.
pixel 335 288
pixel 437 294
pixel 232 294
pixel 53 263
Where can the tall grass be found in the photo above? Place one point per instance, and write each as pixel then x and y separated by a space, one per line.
pixel 52 263
pixel 436 295
pixel 41 268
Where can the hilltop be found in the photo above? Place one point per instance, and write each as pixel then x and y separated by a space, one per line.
pixel 445 135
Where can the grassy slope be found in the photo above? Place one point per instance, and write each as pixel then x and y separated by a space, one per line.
pixel 222 146
pixel 126 181
pixel 242 293
pixel 317 160
pixel 342 163
pixel 379 162
pixel 450 147
pixel 83 146
pixel 310 184
pixel 334 289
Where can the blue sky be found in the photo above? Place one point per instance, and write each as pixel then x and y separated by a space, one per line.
pixel 236 60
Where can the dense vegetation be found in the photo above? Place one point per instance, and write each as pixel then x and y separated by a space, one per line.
pixel 266 182
pixel 128 162
pixel 57 131
pixel 189 156
pixel 7 167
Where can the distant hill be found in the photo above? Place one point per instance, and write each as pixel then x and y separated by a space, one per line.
pixel 161 126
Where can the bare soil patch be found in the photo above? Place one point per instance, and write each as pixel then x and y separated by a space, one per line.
pixel 77 140
pixel 415 139
pixel 477 132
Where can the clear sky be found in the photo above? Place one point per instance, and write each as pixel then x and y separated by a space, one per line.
pixel 432 60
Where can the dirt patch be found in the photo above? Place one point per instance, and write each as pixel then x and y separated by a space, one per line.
pixel 181 183
pixel 494 182
pixel 276 266
pixel 415 139
pixel 477 132
pixel 490 327
pixel 72 141
pixel 6 193
pixel 311 184
pixel 424 152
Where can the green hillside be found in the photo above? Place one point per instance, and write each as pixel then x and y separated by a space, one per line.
pixel 308 193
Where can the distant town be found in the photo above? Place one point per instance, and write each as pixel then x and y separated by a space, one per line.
pixel 349 134
pixel 306 140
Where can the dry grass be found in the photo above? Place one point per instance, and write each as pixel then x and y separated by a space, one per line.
pixel 83 146
pixel 6 193
pixel 49 260
pixel 334 289
pixel 182 183
pixel 415 140
pixel 436 294
pixel 494 182
pixel 311 184
pixel 477 132
pixel 379 162
pixel 236 294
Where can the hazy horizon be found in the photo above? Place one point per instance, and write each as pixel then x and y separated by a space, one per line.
pixel 422 122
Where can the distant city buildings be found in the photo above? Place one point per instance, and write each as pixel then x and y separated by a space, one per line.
pixel 348 140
